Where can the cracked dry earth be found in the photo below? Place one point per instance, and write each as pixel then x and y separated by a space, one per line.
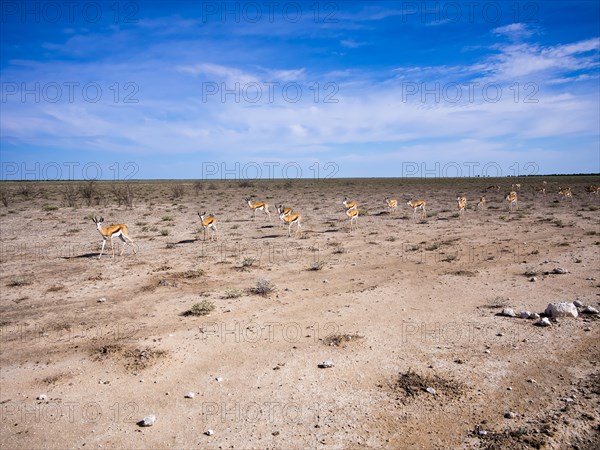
pixel 406 310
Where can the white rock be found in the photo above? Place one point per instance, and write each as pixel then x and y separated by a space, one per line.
pixel 101 300
pixel 589 310
pixel 578 303
pixel 544 322
pixel 148 421
pixel 562 309
pixel 41 397
pixel 509 312
pixel 209 432
pixel 430 390
pixel 189 395
pixel 525 315
pixel 535 316
pixel 559 271
pixel 219 379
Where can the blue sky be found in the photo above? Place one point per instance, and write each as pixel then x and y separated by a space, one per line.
pixel 261 89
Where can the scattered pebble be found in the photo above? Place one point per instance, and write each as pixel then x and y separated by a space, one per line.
pixel 543 322
pixel 430 390
pixel 189 395
pixel 509 312
pixel 589 310
pixel 533 279
pixel 148 421
pixel 41 397
pixel 525 315
pixel 510 415
pixel 209 432
pixel 219 379
pixel 559 271
pixel 101 300
pixel 326 365
pixel 578 303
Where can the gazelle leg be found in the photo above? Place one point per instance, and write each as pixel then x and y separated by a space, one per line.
pixel 103 244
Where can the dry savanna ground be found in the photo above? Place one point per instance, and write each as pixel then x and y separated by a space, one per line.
pixel 406 310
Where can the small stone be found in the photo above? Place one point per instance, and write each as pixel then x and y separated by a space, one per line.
pixel 189 395
pixel 101 300
pixel 578 303
pixel 430 390
pixel 509 415
pixel 219 379
pixel 486 351
pixel 543 322
pixel 326 365
pixel 531 380
pixel 209 432
pixel 41 397
pixel 533 279
pixel 589 310
pixel 559 271
pixel 535 316
pixel 148 421
pixel 525 315
pixel 509 312
pixel 482 432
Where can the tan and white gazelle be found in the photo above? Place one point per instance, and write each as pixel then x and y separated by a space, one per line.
pixel 462 204
pixel 565 193
pixel 392 204
pixel 290 220
pixel 419 204
pixel 511 198
pixel 108 233
pixel 481 202
pixel 209 221
pixel 258 206
pixel 349 205
pixel 285 211
pixel 352 214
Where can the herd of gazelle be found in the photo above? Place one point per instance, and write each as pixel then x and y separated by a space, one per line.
pixel 288 217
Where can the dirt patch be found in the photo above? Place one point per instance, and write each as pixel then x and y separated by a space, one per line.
pixel 412 384
pixel 342 340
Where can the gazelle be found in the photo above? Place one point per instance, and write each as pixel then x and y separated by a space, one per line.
pixel 285 211
pixel 392 204
pixel 419 204
pixel 258 206
pixel 291 219
pixel 565 193
pixel 352 214
pixel 516 186
pixel 541 189
pixel 108 233
pixel 593 189
pixel 210 222
pixel 493 188
pixel 349 205
pixel 481 202
pixel 462 204
pixel 511 198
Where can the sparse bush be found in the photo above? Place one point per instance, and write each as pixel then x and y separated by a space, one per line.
pixel 164 232
pixel 19 281
pixel 263 287
pixel 200 309
pixel 246 263
pixel 198 187
pixel 87 192
pixel 245 184
pixel 26 191
pixel 124 194
pixel 232 293
pixel 70 195
pixel 5 198
pixel 48 207
pixel 317 265
pixel 178 190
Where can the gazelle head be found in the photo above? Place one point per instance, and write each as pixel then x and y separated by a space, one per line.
pixel 98 222
pixel 202 215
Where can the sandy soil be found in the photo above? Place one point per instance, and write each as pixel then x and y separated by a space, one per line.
pixel 398 305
